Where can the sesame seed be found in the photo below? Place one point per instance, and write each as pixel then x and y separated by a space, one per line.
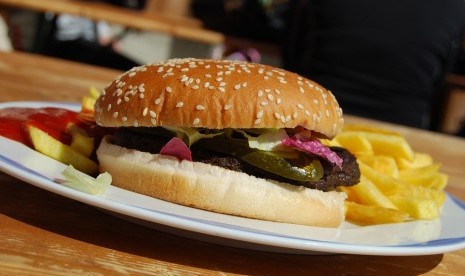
pixel 278 100
pixel 244 84
pixel 168 89
pixel 227 107
pixel 220 73
pixel 266 78
pixel 132 74
pixel 197 81
pixel 109 107
pixel 207 84
pixel 184 78
pixel 257 121
pixel 277 115
pixel 211 87
pixel 160 69
pixel 184 69
pixel 270 97
pixel 283 119
pixel 124 119
pixel 294 115
pixel 153 114
pixel 153 121
pixel 118 101
pixel 119 92
pixel 308 113
pixel 126 98
pixel 267 90
pixel 277 91
pixel 196 121
pixel 199 107
pixel 136 123
pixel 195 87
pixel 141 96
pixel 288 118
pixel 263 103
pixel 222 84
pixel 261 70
pixel 315 101
pixel 219 79
pixel 142 88
pixel 314 117
pixel 260 114
pixel 179 104
pixel 157 101
pixel 146 110
pixel 237 86
pixel 301 89
pixel 222 89
pixel 115 114
pixel 260 93
pixel 208 75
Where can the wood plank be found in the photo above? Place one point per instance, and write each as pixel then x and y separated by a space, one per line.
pixel 179 27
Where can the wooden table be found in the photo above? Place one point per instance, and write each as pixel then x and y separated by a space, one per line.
pixel 46 234
pixel 176 26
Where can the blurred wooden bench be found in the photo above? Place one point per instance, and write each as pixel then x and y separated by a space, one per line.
pixel 187 28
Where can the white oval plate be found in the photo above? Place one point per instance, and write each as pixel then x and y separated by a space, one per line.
pixel 409 238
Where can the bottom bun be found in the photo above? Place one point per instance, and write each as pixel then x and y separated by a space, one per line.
pixel 216 189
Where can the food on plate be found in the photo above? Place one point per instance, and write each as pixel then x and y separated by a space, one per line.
pixel 229 137
pixel 397 183
pixel 58 133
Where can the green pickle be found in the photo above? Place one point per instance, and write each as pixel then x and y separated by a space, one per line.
pixel 280 166
pixel 276 163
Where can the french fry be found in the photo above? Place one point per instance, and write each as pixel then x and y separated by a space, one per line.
pixel 94 93
pixel 419 160
pixel 390 145
pixel 418 208
pixel 368 215
pixel 383 164
pixel 368 194
pixel 80 141
pixel 354 143
pixel 53 148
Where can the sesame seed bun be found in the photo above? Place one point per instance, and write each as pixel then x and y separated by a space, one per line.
pixel 217 94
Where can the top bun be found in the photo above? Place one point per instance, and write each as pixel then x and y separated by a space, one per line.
pixel 217 94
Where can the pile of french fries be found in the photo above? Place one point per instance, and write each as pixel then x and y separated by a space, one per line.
pixel 397 184
pixel 78 152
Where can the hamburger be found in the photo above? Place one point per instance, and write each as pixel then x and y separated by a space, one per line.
pixel 229 137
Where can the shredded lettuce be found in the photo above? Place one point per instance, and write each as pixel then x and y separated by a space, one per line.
pixel 190 135
pixel 86 183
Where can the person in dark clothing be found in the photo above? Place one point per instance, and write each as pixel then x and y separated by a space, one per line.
pixel 382 60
